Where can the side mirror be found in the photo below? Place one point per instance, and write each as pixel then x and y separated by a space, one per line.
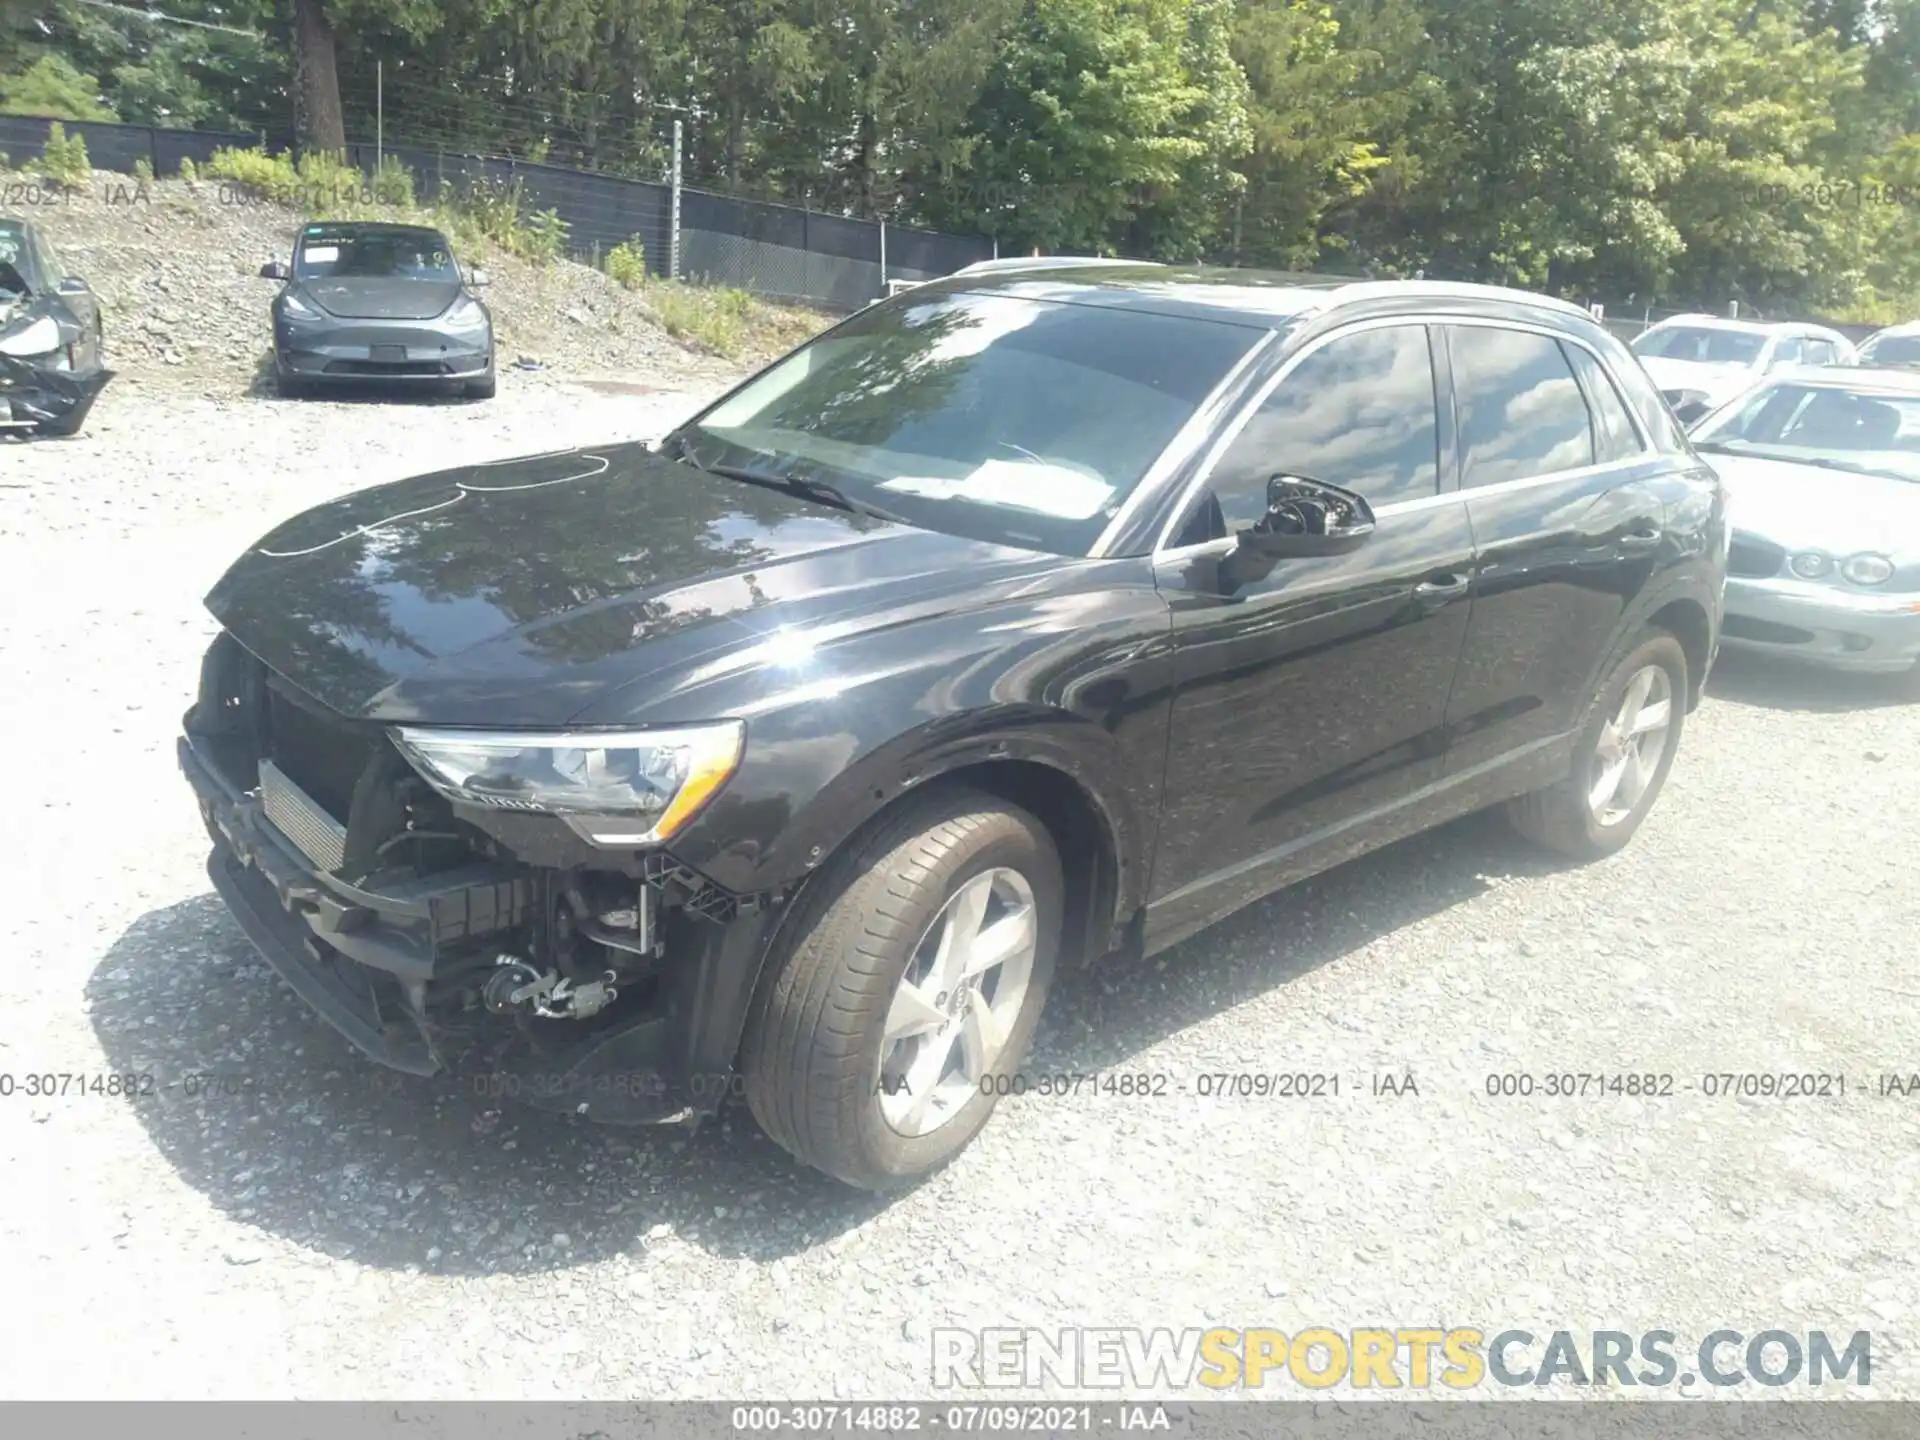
pixel 276 270
pixel 479 278
pixel 73 285
pixel 1305 517
pixel 1690 412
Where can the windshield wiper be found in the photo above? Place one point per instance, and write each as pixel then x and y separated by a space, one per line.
pixel 833 495
pixel 1825 463
pixel 676 448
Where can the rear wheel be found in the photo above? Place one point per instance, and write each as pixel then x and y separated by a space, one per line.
pixel 483 388
pixel 1625 747
pixel 908 991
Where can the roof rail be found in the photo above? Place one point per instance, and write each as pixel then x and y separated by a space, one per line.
pixel 1046 262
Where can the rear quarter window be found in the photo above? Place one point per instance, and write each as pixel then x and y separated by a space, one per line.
pixel 1643 397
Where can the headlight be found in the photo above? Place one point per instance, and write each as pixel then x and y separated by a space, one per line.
pixel 635 787
pixel 294 308
pixel 37 339
pixel 465 314
pixel 1811 564
pixel 1868 569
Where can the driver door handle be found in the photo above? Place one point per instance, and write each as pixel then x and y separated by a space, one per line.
pixel 1645 538
pixel 1441 590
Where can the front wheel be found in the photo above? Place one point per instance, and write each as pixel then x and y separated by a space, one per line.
pixel 1625 747
pixel 907 991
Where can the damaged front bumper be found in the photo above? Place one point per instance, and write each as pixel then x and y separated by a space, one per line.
pixel 39 397
pixel 367 959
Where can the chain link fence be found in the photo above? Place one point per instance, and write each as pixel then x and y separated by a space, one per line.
pixel 781 251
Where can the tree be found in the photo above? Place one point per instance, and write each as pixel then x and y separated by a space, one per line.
pixel 1089 118
pixel 317 117
pixel 51 86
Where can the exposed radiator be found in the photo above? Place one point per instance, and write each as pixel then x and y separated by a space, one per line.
pixel 299 817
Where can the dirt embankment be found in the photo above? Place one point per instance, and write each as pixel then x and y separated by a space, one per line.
pixel 176 264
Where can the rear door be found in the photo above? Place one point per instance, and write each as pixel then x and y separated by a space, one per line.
pixel 1310 700
pixel 1568 502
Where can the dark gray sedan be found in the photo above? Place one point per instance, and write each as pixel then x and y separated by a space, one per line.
pixel 369 302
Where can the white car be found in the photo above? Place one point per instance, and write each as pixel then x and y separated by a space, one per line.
pixel 1822 469
pixel 1701 361
pixel 1895 348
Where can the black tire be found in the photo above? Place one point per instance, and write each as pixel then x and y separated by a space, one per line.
pixel 484 388
pixel 1561 816
pixel 292 387
pixel 813 1047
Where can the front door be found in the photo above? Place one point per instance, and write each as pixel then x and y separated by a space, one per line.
pixel 1310 700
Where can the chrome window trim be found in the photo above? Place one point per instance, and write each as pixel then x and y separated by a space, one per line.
pixel 1176 450
pixel 1252 405
pixel 1433 502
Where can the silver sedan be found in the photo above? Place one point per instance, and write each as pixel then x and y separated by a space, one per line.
pixel 1822 469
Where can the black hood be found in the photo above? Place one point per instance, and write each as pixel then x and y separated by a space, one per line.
pixel 353 297
pixel 535 591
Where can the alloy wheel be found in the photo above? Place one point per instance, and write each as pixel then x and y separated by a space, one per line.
pixel 957 1002
pixel 1631 745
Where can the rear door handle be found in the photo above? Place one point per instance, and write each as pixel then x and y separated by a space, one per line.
pixel 1644 538
pixel 1441 590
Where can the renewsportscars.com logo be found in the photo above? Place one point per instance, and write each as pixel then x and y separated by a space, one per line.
pixel 1389 1358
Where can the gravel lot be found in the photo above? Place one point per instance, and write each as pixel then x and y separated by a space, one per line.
pixel 331 1231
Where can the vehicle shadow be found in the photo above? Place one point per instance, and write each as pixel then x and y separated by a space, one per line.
pixel 1743 678
pixel 280 1124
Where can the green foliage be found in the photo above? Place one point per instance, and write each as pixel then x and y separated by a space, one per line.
pixel 323 185
pixel 496 211
pixel 188 170
pixel 1669 152
pixel 712 316
pixel 64 160
pixel 326 187
pixel 51 86
pixel 626 263
pixel 392 183
pixel 143 170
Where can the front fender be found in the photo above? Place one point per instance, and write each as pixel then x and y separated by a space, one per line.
pixel 1078 683
pixel 1066 744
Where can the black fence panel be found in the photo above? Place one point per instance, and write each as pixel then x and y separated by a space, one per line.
pixel 170 147
pixel 777 250
pixel 842 238
pixel 922 254
pixel 749 219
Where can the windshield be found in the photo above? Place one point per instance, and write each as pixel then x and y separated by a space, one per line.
pixel 1875 432
pixel 1899 350
pixel 1708 345
pixel 1022 422
pixel 374 254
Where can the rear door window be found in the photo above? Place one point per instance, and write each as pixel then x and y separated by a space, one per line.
pixel 1521 411
pixel 1613 432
